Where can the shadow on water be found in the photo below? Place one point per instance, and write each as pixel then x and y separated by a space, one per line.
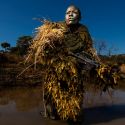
pixel 103 114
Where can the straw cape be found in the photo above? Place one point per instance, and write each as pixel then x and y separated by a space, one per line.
pixel 63 84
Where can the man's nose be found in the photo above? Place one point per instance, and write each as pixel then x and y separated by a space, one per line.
pixel 71 14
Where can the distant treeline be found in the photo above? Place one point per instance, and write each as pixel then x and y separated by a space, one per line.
pixel 114 59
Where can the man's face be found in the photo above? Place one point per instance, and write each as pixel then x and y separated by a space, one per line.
pixel 72 15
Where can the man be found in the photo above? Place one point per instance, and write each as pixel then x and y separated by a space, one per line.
pixel 77 40
pixel 77 37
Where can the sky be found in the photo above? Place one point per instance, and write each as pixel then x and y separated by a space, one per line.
pixel 105 19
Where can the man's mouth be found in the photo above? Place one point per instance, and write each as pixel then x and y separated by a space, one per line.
pixel 71 19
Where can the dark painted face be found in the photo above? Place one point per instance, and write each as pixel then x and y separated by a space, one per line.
pixel 72 15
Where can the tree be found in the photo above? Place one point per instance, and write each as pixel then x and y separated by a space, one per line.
pixel 14 50
pixel 111 50
pixel 23 43
pixel 100 46
pixel 5 45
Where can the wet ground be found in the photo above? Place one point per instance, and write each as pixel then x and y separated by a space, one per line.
pixel 22 106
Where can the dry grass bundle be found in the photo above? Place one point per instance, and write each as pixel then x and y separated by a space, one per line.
pixel 107 76
pixel 49 37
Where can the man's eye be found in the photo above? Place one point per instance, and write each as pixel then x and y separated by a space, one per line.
pixel 67 12
pixel 75 12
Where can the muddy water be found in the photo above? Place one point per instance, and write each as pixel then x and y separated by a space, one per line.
pixel 22 106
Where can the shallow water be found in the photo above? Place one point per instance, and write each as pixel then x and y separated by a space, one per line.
pixel 22 106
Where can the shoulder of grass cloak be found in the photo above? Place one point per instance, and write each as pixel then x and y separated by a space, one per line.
pixel 83 28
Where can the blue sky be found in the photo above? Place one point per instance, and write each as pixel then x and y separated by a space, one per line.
pixel 105 19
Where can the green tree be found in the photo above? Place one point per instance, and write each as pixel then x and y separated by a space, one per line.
pixel 23 43
pixel 5 45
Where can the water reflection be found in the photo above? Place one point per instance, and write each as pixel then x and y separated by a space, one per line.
pixel 22 106
pixel 24 98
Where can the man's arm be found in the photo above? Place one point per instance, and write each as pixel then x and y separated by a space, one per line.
pixel 88 43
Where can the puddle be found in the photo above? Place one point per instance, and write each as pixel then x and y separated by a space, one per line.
pixel 22 106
